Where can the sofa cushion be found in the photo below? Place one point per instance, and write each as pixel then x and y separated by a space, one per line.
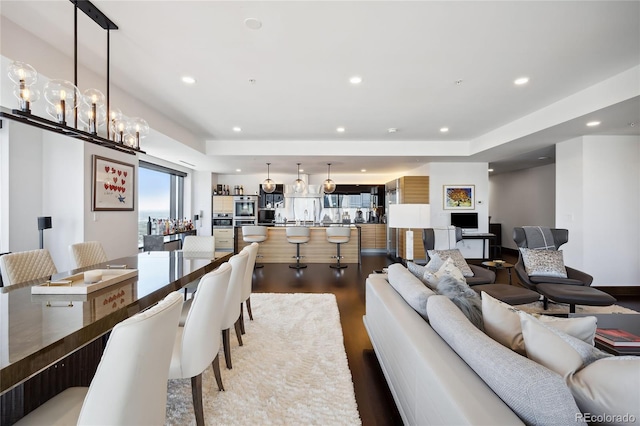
pixel 603 386
pixel 537 395
pixel 466 299
pixel 439 256
pixel 502 324
pixel 548 263
pixel 412 290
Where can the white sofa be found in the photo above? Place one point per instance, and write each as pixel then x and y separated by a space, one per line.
pixel 479 383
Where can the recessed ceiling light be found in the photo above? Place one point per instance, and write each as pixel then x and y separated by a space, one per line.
pixel 392 130
pixel 444 129
pixel 363 170
pixel 356 79
pixel 238 170
pixel 237 129
pixel 490 170
pixel 520 81
pixel 187 79
pixel 340 129
pixel 253 23
pixel 593 123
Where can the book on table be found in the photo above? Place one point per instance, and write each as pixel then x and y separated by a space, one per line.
pixel 617 337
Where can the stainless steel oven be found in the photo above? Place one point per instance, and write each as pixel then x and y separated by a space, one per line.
pixel 245 206
pixel 222 220
pixel 244 221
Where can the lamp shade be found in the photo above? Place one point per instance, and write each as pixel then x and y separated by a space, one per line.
pixel 410 216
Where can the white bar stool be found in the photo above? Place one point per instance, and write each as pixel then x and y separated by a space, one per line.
pixel 298 235
pixel 338 235
pixel 254 234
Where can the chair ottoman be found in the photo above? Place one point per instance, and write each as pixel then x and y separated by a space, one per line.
pixel 509 294
pixel 574 295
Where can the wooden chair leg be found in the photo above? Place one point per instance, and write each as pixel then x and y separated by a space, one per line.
pixel 227 348
pixel 196 393
pixel 242 319
pixel 238 332
pixel 216 372
pixel 249 308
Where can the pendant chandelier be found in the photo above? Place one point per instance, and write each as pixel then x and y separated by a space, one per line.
pixel 299 186
pixel 328 186
pixel 268 186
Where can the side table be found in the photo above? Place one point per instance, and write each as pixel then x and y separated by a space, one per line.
pixel 499 265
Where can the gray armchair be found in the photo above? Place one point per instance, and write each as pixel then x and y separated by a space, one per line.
pixel 560 236
pixel 480 274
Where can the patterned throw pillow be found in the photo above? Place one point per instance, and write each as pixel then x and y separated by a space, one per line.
pixel 442 255
pixel 545 263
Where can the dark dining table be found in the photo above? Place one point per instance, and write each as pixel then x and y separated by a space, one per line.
pixel 38 332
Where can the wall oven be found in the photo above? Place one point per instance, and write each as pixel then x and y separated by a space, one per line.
pixel 222 220
pixel 245 206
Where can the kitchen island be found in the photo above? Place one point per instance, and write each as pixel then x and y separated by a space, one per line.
pixel 276 249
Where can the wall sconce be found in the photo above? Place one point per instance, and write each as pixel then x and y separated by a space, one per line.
pixel 299 185
pixel 44 222
pixel 409 216
pixel 268 186
pixel 24 76
pixel 62 96
pixel 328 186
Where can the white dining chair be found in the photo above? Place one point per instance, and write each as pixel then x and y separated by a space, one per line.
pixel 87 254
pixel 197 344
pixel 231 316
pixel 23 266
pixel 130 384
pixel 245 295
pixel 197 246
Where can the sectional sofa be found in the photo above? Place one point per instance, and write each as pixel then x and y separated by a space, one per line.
pixel 442 370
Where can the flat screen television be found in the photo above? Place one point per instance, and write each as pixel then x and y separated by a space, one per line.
pixel 465 220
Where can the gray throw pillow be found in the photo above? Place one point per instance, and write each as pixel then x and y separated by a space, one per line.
pixel 466 299
pixel 455 255
pixel 544 263
pixel 416 270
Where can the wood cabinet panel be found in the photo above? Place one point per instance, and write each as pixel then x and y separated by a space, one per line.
pixel 413 190
pixel 224 238
pixel 222 204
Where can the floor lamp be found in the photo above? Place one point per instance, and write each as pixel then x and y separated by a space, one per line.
pixel 409 216
pixel 44 222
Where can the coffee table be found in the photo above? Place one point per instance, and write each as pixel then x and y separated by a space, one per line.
pixel 499 265
pixel 626 322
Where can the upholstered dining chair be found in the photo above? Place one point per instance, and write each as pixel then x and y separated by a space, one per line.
pixel 558 237
pixel 446 238
pixel 195 348
pixel 231 317
pixel 245 296
pixel 23 266
pixel 130 384
pixel 87 254
pixel 197 246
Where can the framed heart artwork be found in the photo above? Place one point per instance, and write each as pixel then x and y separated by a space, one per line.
pixel 113 185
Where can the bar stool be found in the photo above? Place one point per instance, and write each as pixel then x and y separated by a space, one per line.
pixel 298 235
pixel 254 234
pixel 338 235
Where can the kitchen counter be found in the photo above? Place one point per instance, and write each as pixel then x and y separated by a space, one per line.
pixel 276 249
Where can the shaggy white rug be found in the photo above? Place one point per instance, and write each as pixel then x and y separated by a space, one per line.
pixel 292 369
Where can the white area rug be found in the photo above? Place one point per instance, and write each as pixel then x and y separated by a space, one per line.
pixel 562 308
pixel 292 369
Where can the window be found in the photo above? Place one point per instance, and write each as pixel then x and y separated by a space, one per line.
pixel 160 196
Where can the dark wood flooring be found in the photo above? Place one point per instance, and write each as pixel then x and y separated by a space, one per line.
pixel 374 399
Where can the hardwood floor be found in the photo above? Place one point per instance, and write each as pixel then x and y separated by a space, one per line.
pixel 374 399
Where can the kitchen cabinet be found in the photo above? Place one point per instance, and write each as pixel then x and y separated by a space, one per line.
pixel 224 239
pixel 222 204
pixel 373 236
pixel 273 199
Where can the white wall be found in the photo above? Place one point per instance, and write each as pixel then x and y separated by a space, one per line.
pixel 598 200
pixel 202 190
pixel 523 197
pixel 460 174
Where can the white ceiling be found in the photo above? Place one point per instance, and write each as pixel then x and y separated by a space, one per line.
pixel 409 54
